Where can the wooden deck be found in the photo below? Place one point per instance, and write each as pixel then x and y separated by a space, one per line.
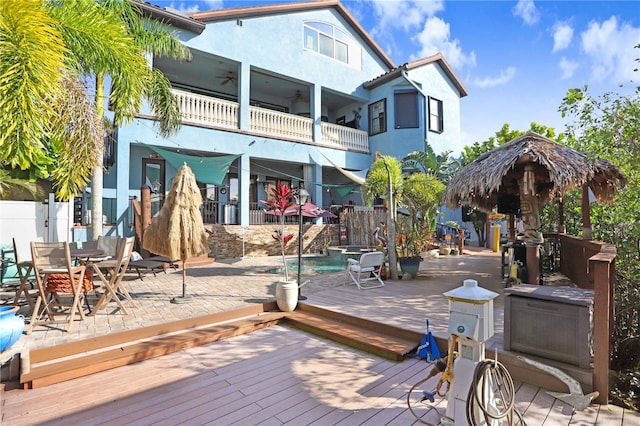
pixel 281 375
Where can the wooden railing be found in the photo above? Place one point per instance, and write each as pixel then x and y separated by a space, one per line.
pixel 591 265
pixel 219 113
pixel 345 137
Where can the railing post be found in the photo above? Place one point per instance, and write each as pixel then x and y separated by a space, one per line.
pixel 602 266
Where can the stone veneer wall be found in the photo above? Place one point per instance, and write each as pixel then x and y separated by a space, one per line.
pixel 226 240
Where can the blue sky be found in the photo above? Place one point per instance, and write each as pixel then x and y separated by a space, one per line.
pixel 517 59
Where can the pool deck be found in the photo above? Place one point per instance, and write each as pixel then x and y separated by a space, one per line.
pixel 278 375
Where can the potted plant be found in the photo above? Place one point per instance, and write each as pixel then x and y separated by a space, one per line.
pixel 286 290
pixel 409 248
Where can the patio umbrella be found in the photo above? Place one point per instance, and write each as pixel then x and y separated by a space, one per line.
pixel 526 171
pixel 177 232
pixel 308 210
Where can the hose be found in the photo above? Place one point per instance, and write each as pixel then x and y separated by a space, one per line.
pixel 438 367
pixel 492 373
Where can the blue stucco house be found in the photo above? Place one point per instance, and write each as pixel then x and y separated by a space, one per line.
pixel 295 92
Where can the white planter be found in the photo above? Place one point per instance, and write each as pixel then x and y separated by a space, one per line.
pixel 287 295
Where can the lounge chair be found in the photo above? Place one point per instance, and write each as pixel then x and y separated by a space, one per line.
pixel 367 269
pixel 153 264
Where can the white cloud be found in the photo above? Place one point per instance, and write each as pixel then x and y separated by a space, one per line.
pixel 404 13
pixel 568 67
pixel 435 37
pixel 526 10
pixel 562 36
pixel 610 46
pixel 504 77
pixel 194 6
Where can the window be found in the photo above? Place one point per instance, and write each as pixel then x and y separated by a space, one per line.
pixel 377 117
pixel 436 121
pixel 331 41
pixel 406 102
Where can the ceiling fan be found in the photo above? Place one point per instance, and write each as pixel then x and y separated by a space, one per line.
pixel 299 97
pixel 229 77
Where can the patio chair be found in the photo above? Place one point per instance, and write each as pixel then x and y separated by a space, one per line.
pixel 108 244
pixel 24 269
pixel 58 281
pixel 111 273
pixel 365 273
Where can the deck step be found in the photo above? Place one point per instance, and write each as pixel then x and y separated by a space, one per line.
pixel 376 338
pixel 42 367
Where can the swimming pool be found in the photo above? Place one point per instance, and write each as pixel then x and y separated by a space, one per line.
pixel 313 265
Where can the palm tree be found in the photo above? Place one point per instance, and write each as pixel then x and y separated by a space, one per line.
pixel 46 49
pixel 441 165
pixel 132 80
pixel 385 179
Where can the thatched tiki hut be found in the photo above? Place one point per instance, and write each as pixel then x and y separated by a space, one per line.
pixel 528 171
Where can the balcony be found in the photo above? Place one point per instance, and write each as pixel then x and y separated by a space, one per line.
pixel 207 111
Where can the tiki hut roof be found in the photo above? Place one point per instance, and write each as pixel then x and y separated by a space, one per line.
pixel 558 169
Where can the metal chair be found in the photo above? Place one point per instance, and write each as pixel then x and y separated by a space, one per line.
pixel 58 281
pixel 367 269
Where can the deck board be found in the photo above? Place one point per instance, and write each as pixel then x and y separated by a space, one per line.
pixel 281 375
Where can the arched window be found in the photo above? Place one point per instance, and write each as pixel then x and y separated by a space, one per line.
pixel 331 41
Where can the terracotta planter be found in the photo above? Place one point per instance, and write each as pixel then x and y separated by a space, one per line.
pixel 287 295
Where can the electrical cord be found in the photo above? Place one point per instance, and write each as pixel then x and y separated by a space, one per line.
pixel 492 374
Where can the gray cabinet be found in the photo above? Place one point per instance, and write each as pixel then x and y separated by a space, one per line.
pixel 550 322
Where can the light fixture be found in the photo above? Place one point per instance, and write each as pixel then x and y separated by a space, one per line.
pixel 301 200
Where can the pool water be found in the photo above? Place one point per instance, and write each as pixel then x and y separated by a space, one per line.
pixel 315 265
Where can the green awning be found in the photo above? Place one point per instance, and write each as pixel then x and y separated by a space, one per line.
pixel 211 170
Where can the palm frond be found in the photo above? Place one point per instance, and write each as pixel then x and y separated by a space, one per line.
pixel 31 55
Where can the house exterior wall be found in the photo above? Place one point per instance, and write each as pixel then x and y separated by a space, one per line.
pixel 273 44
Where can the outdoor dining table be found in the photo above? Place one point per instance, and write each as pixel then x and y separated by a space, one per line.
pixel 85 254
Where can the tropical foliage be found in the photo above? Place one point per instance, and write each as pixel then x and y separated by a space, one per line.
pixel 282 198
pixel 607 126
pixel 50 121
pixel 416 183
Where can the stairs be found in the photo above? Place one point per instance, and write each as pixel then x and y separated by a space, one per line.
pixel 42 367
pixel 382 340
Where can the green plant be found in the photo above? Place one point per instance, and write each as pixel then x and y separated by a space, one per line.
pixel 281 200
pixel 412 243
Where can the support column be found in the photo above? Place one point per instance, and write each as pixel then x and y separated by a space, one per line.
pixel 122 188
pixel 531 220
pixel 244 84
pixel 313 173
pixel 244 180
pixel 315 101
pixel 587 231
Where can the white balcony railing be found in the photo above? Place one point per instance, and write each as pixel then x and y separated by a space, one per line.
pixel 215 112
pixel 207 110
pixel 345 137
pixel 289 126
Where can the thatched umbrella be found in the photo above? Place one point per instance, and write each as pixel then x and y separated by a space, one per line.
pixel 526 171
pixel 177 232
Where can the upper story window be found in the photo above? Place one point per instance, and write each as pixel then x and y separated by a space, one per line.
pixel 331 41
pixel 378 117
pixel 406 109
pixel 436 120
